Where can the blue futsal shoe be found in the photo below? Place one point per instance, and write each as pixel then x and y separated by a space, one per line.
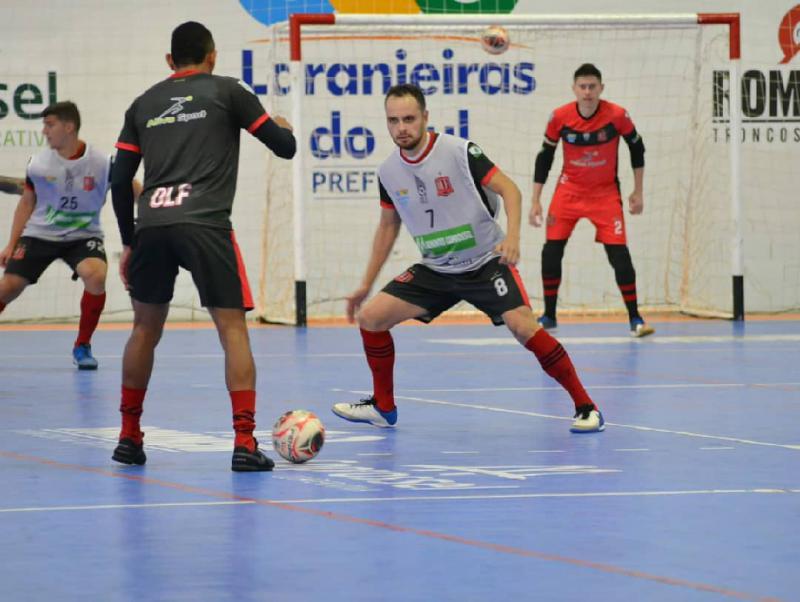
pixel 83 358
pixel 547 323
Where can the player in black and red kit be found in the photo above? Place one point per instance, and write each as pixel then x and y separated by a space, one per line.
pixel 588 187
pixel 186 128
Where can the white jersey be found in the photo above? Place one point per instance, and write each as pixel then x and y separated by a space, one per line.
pixel 69 195
pixel 443 202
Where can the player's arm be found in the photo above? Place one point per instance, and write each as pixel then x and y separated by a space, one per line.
pixel 544 161
pixel 273 131
pixel 636 148
pixel 382 244
pixel 501 184
pixel 123 194
pixel 23 212
pixel 11 185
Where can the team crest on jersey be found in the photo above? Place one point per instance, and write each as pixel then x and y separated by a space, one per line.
pixel 602 136
pixel 443 186
pixel 571 138
pixel 406 276
pixel 88 183
pixel 402 196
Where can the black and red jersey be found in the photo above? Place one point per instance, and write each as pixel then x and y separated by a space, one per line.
pixel 187 130
pixel 590 146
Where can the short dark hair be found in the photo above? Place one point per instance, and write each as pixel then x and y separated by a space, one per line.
pixel 66 110
pixel 401 90
pixel 191 43
pixel 587 70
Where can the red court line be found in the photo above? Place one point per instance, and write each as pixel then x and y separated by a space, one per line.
pixel 345 518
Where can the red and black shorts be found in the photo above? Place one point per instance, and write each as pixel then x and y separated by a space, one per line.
pixel 494 289
pixel 32 256
pixel 211 255
pixel 605 212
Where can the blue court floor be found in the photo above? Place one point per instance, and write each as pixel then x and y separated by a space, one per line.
pixel 480 493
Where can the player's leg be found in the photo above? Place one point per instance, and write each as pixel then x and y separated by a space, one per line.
pixel 415 294
pixel 215 262
pixel 137 366
pixel 555 361
pixel 608 218
pixel 26 264
pixel 561 219
pixel 152 270
pixel 498 291
pixel 88 259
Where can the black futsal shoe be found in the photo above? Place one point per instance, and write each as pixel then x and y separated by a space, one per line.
pixel 245 460
pixel 128 452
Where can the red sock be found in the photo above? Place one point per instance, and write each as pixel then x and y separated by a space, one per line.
pixel 244 414
pixel 91 308
pixel 555 361
pixel 379 348
pixel 131 410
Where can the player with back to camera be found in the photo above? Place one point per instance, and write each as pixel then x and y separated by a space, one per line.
pixel 589 129
pixel 186 128
pixel 446 192
pixel 58 217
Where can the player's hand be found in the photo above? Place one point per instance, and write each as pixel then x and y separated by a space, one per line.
pixel 281 122
pixel 5 255
pixel 636 203
pixel 509 250
pixel 354 301
pixel 535 216
pixel 124 259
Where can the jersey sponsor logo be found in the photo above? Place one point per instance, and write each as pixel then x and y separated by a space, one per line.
pixel 422 190
pixel 73 220
pixel 589 159
pixel 88 183
pixel 475 150
pixel 587 136
pixel 602 136
pixel 443 186
pixel 69 180
pixel 443 242
pixel 571 138
pixel 175 114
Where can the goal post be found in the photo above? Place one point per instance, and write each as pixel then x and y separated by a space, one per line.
pixel 674 274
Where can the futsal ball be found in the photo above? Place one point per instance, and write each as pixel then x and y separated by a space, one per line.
pixel 298 436
pixel 495 39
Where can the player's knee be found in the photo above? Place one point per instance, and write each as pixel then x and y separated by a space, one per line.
pixel 619 257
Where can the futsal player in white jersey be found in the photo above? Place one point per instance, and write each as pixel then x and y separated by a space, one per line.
pixel 58 217
pixel 447 193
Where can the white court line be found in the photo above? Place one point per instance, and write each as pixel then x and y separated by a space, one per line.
pixel 525 496
pixel 410 498
pixel 716 448
pixel 123 506
pixel 607 387
pixel 615 424
pixel 634 449
pixel 459 452
pixel 547 451
pixel 658 340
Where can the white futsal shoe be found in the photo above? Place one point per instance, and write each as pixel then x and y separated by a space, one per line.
pixel 365 411
pixel 588 419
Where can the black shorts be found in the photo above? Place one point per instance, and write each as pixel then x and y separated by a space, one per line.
pixel 494 289
pixel 32 255
pixel 211 255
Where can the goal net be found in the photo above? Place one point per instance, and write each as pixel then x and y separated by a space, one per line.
pixel 318 227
